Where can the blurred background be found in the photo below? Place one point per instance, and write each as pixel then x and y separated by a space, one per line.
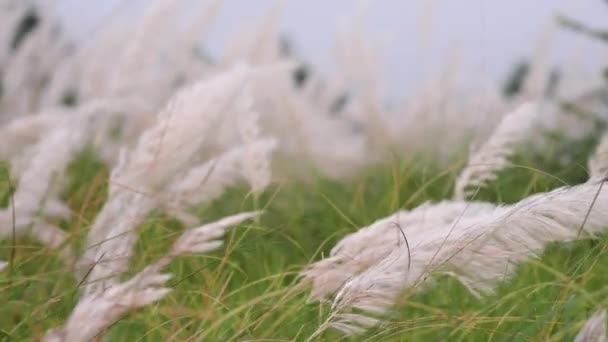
pixel 416 38
pixel 382 76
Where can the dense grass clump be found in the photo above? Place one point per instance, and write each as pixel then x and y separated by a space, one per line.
pixel 248 291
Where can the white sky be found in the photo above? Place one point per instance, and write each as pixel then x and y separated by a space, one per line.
pixel 418 36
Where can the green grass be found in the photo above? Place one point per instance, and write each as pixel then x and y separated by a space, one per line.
pixel 246 292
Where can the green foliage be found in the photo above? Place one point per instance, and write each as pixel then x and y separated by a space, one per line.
pixel 246 291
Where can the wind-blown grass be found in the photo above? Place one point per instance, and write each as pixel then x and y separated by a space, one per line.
pixel 248 291
pixel 322 155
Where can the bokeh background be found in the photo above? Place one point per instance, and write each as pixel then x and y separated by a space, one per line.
pixel 415 37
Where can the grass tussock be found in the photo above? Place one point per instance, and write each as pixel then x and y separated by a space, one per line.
pixel 248 291
pixel 150 191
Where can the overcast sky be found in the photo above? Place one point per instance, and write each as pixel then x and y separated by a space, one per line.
pixel 418 36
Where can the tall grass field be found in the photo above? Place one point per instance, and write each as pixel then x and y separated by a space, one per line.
pixel 151 191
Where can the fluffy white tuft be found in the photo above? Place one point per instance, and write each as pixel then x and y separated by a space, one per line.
pixel 145 175
pixel 98 310
pixel 363 249
pixel 594 329
pixel 493 156
pixel 481 250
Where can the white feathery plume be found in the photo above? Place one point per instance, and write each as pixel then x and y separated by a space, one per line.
pixel 257 169
pixel 256 163
pixel 114 123
pixel 25 131
pixel 109 249
pixel 441 108
pixel 49 159
pixel 63 133
pixel 308 135
pixel 31 66
pixel 163 153
pixel 96 312
pixel 206 237
pixel 21 80
pixel 365 248
pixel 192 62
pixel 10 16
pixel 594 329
pixel 3 265
pixel 100 119
pixel 97 118
pixel 160 57
pixel 208 181
pixel 143 38
pixel 598 162
pixel 360 71
pixel 493 156
pixel 479 251
pixel 95 78
pixel 534 85
pixel 305 129
pixel 199 25
pixel 179 132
